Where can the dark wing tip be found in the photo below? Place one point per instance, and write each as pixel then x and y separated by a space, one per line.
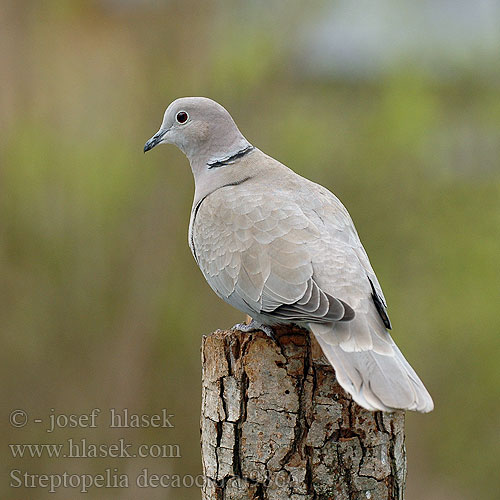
pixel 348 311
pixel 380 307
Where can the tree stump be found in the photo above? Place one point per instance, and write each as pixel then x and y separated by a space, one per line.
pixel 276 425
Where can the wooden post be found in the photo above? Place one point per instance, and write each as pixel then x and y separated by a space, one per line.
pixel 276 425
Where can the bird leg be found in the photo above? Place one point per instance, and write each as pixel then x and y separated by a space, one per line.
pixel 254 326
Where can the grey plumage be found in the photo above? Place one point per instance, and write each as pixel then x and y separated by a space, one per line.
pixel 284 249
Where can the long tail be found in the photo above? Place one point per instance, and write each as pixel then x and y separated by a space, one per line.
pixel 370 366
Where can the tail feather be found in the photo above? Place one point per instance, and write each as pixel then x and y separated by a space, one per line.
pixel 376 378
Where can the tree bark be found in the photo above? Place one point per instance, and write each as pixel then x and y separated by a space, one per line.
pixel 276 425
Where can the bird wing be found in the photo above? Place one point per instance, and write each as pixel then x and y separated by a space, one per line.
pixel 255 252
pixel 344 253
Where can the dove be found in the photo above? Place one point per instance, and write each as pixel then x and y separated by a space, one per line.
pixel 284 250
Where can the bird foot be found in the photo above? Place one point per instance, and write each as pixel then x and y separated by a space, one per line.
pixel 254 326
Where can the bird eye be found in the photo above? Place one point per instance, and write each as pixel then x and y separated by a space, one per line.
pixel 181 117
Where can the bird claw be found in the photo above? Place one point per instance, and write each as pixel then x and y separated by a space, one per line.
pixel 254 326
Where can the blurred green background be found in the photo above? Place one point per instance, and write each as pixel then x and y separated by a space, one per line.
pixel 394 106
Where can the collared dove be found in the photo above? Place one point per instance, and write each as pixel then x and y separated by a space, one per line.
pixel 283 249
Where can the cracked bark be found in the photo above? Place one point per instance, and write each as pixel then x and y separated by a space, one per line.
pixel 275 424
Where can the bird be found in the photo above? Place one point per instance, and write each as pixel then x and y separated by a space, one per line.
pixel 284 250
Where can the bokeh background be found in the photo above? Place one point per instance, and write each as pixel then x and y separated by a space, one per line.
pixel 393 105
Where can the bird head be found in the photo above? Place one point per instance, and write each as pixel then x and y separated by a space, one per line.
pixel 201 128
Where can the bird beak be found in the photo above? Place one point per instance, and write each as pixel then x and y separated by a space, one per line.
pixel 155 140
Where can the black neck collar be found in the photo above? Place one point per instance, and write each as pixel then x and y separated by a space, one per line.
pixel 222 162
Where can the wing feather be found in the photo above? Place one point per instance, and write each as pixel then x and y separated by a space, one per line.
pixel 256 254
